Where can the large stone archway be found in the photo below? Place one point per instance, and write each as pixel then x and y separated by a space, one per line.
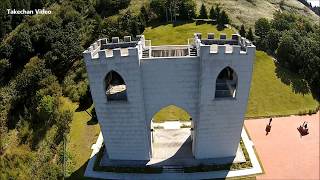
pixel 171 135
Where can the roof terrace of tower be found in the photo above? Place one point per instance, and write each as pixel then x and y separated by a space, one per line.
pixel 139 46
pixel 236 40
pixel 126 42
pixel 107 48
pixel 235 44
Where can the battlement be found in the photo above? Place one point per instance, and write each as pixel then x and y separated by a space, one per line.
pixel 236 45
pixel 141 48
pixel 102 48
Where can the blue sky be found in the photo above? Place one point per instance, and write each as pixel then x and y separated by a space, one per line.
pixel 314 2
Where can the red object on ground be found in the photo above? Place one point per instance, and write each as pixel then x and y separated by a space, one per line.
pixel 284 153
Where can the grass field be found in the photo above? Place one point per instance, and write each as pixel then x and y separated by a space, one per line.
pixel 179 34
pixel 171 113
pixel 81 138
pixel 269 96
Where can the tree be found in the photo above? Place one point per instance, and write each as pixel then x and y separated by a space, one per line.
pixel 37 4
pixel 46 109
pixel 242 31
pixel 65 50
pixel 5 50
pixel 5 19
pixel 262 27
pixel 63 124
pixel 283 21
pixel 186 9
pixel 130 24
pixel 144 14
pixel 19 4
pixel 4 68
pixel 217 12
pixel 22 46
pixel 158 7
pixel 27 82
pixel 250 35
pixel 212 13
pixel 223 20
pixel 288 51
pixel 310 61
pixel 273 40
pixel 49 86
pixel 203 12
pixel 110 7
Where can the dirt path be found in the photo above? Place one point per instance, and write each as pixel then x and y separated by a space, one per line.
pixel 283 152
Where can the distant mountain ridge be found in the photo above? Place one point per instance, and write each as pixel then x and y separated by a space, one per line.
pixel 248 11
pixel 315 9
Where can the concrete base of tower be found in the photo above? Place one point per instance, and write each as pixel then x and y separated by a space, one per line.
pixel 170 168
pixel 172 147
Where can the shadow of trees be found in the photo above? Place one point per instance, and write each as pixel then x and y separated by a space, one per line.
pixel 297 83
pixel 85 101
pixel 93 120
pixel 79 173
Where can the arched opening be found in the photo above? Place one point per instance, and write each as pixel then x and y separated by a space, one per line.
pixel 171 136
pixel 116 89
pixel 171 113
pixel 226 83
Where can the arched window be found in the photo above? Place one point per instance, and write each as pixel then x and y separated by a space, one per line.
pixel 226 83
pixel 116 89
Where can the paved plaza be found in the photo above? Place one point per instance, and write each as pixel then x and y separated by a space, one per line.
pixel 283 152
pixel 173 147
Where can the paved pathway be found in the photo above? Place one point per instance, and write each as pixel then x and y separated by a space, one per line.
pixel 283 152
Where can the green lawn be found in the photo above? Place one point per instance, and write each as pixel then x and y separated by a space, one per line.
pixel 179 34
pixel 81 138
pixel 269 96
pixel 171 113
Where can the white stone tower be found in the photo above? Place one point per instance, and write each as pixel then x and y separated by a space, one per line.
pixel 130 81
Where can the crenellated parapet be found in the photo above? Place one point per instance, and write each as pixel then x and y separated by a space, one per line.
pixel 237 45
pixel 103 49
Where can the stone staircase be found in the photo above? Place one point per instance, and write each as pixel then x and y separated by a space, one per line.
pixel 145 53
pixel 193 51
pixel 172 169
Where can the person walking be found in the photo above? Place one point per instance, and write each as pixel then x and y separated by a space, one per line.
pixel 268 127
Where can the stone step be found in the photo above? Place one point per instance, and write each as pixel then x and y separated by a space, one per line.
pixel 193 52
pixel 145 53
